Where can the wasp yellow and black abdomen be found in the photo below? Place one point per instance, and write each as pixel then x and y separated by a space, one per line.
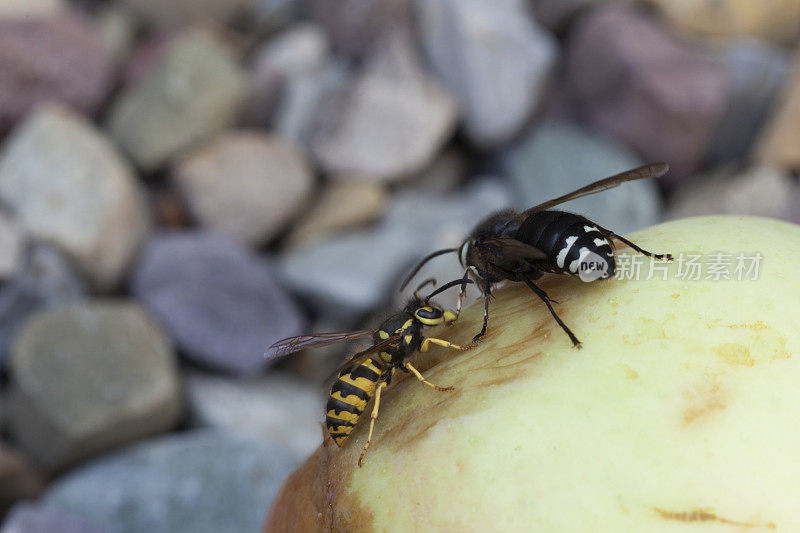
pixel 349 396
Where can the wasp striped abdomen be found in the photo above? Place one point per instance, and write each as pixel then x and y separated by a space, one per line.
pixel 350 394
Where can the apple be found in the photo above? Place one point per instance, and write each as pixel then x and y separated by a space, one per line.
pixel 681 411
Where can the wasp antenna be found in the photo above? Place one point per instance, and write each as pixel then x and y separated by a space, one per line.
pixel 422 263
pixel 429 281
pixel 461 281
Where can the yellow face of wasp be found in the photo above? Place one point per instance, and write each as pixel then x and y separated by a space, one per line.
pixel 433 315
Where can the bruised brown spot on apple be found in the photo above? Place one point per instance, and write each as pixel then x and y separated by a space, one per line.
pixel 705 515
pixel 706 399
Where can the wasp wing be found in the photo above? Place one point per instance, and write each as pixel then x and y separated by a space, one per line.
pixel 357 358
pixel 513 249
pixel 653 170
pixel 295 344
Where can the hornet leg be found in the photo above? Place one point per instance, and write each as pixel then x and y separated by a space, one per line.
pixel 486 294
pixel 546 299
pixel 642 251
pixel 373 417
pixel 425 381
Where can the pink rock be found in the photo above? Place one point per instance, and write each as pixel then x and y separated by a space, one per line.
pixel 60 57
pixel 636 82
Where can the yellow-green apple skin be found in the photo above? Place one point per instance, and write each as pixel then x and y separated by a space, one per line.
pixel 680 413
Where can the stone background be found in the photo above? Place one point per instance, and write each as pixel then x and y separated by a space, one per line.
pixel 183 183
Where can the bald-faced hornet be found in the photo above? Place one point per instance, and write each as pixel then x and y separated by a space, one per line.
pixel 521 247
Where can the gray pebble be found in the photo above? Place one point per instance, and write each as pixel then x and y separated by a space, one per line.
pixel 88 378
pixel 194 482
pixel 195 90
pixel 67 184
pixel 217 300
pixel 47 281
pixel 493 57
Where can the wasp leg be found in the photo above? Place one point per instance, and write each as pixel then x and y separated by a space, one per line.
pixel 642 251
pixel 486 294
pixel 546 299
pixel 432 340
pixel 372 418
pixel 461 294
pixel 425 381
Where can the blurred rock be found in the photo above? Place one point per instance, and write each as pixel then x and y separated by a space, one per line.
pixel 340 206
pixel 776 20
pixel 177 13
pixel 29 8
pixel 198 482
pixel 216 299
pixel 302 103
pixel 556 158
pixel 756 71
pixel 144 57
pixel 272 15
pixel 12 241
pixel 350 275
pixel 88 378
pixel 68 185
pixel 47 281
pixel 492 56
pixel 636 82
pixel 355 27
pixel 117 26
pixel 170 208
pixel 393 121
pixel 444 174
pixel 763 191
pixel 276 408
pixel 557 14
pixel 195 90
pixel 297 51
pixel 779 140
pixel 19 479
pixel 56 58
pixel 26 517
pixel 245 184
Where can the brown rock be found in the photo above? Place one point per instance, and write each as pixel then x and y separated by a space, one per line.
pixel 68 185
pixel 393 121
pixel 245 184
pixel 638 83
pixel 55 58
pixel 194 91
pixel 19 479
pixel 779 142
pixel 777 20
pixel 88 378
pixel 340 206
